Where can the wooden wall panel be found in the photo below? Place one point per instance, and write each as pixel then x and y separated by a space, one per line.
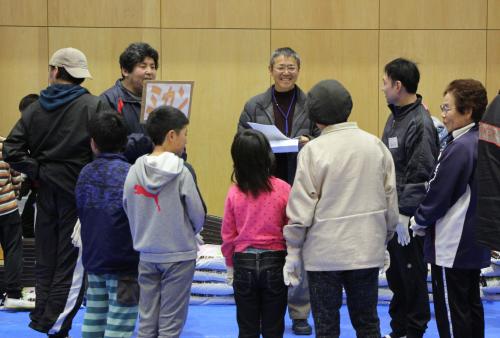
pixel 494 15
pixel 215 14
pixel 228 67
pixel 348 56
pixel 104 13
pixel 493 66
pixel 102 47
pixel 324 14
pixel 432 14
pixel 24 69
pixel 23 12
pixel 442 56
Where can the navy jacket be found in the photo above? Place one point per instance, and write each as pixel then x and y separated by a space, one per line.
pixel 449 208
pixel 129 107
pixel 106 238
pixel 413 142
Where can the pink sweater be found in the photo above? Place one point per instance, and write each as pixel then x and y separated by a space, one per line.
pixel 256 222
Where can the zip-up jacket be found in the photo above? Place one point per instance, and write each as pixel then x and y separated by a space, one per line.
pixel 10 181
pixel 413 142
pixel 449 208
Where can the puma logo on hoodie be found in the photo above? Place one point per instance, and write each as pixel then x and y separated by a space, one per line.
pixel 139 190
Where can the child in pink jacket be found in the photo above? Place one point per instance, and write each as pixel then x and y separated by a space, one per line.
pixel 252 235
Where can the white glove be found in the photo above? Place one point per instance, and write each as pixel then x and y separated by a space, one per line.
pixel 76 238
pixel 402 230
pixel 229 275
pixel 418 230
pixel 292 270
pixel 387 263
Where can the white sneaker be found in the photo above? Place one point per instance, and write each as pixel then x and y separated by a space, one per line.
pixel 18 304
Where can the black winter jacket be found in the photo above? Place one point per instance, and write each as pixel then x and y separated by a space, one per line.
pixel 413 142
pixel 52 147
pixel 259 109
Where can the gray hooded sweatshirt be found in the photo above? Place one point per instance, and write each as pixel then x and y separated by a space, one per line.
pixel 164 208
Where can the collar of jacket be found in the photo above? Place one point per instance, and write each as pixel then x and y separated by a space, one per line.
pixel 459 132
pixel 266 104
pixel 127 96
pixel 339 126
pixel 112 156
pixel 398 112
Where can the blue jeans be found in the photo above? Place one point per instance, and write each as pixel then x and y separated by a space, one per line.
pixel 260 294
pixel 361 286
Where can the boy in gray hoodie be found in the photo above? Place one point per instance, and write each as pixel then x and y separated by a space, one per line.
pixel 165 212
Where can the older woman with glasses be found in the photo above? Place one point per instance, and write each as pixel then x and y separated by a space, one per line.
pixel 446 217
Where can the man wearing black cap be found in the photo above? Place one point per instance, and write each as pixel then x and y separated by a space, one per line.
pixel 50 144
pixel 342 212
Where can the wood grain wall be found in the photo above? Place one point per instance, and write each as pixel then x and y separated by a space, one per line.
pixel 224 46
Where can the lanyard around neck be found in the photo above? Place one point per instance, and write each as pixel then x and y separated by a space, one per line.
pixel 285 116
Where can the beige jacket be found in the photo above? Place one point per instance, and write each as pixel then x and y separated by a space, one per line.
pixel 343 205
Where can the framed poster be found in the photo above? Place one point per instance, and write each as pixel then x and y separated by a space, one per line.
pixel 177 94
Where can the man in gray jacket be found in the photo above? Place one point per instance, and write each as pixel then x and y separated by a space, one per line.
pixel 284 105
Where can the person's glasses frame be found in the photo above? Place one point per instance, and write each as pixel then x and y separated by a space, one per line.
pixel 284 68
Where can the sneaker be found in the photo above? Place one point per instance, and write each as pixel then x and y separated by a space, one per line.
pixel 18 304
pixel 392 335
pixel 301 327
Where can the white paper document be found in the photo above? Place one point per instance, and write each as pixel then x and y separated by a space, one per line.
pixel 279 142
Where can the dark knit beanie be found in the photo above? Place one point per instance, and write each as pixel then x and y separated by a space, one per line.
pixel 329 103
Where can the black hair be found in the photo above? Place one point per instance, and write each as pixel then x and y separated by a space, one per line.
pixel 108 131
pixel 162 120
pixel 62 74
pixel 405 71
pixel 286 52
pixel 27 100
pixel 253 162
pixel 135 53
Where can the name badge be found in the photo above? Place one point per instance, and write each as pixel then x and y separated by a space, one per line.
pixel 393 142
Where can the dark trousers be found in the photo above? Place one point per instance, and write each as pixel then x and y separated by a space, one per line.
pixel 361 287
pixel 28 216
pixel 407 278
pixel 260 294
pixel 59 272
pixel 457 302
pixel 12 246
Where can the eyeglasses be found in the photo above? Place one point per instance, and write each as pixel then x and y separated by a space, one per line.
pixel 445 108
pixel 284 68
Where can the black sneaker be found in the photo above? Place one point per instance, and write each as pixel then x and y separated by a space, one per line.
pixel 301 327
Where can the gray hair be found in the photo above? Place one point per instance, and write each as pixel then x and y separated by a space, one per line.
pixel 286 52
